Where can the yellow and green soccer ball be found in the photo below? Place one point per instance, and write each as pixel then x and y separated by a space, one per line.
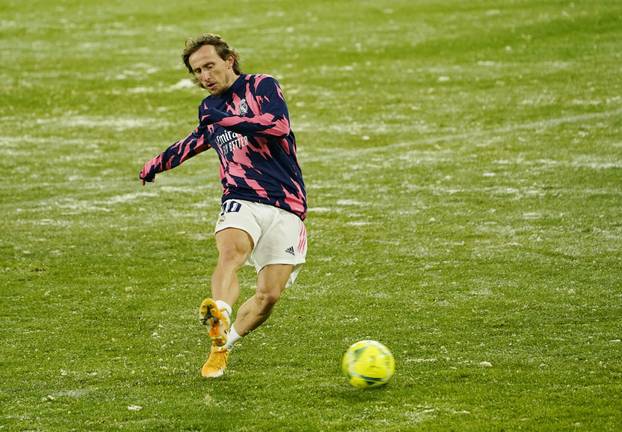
pixel 368 363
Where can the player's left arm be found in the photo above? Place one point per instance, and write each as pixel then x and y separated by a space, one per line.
pixel 273 119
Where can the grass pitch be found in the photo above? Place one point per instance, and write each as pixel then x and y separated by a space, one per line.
pixel 464 167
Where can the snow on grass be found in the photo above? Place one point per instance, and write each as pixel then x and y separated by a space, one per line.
pixel 107 122
pixel 354 128
pixel 351 202
pixel 319 210
pixel 75 394
pixel 185 83
pixel 73 205
pixel 358 223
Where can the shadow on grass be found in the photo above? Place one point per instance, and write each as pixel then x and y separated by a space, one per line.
pixel 354 395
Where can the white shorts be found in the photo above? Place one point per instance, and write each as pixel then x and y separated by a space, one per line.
pixel 279 237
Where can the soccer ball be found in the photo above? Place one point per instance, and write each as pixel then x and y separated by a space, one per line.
pixel 368 363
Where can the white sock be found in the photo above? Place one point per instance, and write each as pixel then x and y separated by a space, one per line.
pixel 232 338
pixel 223 306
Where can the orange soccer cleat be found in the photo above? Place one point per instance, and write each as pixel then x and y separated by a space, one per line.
pixel 218 322
pixel 216 363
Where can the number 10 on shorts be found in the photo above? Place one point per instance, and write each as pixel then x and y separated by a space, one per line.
pixel 230 207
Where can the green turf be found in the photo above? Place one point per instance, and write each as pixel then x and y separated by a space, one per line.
pixel 463 163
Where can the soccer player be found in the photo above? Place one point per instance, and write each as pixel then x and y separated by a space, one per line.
pixel 246 121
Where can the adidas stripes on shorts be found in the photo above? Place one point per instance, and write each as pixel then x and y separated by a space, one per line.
pixel 279 237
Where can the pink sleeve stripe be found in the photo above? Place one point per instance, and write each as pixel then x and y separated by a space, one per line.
pixel 276 128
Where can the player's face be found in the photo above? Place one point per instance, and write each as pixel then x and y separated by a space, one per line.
pixel 214 74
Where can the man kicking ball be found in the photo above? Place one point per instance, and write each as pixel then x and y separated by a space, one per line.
pixel 246 121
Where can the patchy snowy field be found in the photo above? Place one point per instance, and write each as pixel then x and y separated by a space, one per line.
pixel 463 163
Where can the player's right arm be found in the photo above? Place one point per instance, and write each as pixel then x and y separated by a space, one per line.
pixel 195 143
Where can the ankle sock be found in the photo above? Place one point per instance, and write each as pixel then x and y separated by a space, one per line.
pixel 224 306
pixel 232 338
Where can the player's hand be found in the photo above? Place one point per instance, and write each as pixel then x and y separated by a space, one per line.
pixel 151 168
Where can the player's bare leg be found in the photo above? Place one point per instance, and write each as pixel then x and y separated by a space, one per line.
pixel 234 246
pixel 271 283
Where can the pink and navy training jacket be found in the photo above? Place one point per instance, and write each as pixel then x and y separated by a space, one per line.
pixel 248 126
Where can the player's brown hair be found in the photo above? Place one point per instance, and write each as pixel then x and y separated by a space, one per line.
pixel 222 49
